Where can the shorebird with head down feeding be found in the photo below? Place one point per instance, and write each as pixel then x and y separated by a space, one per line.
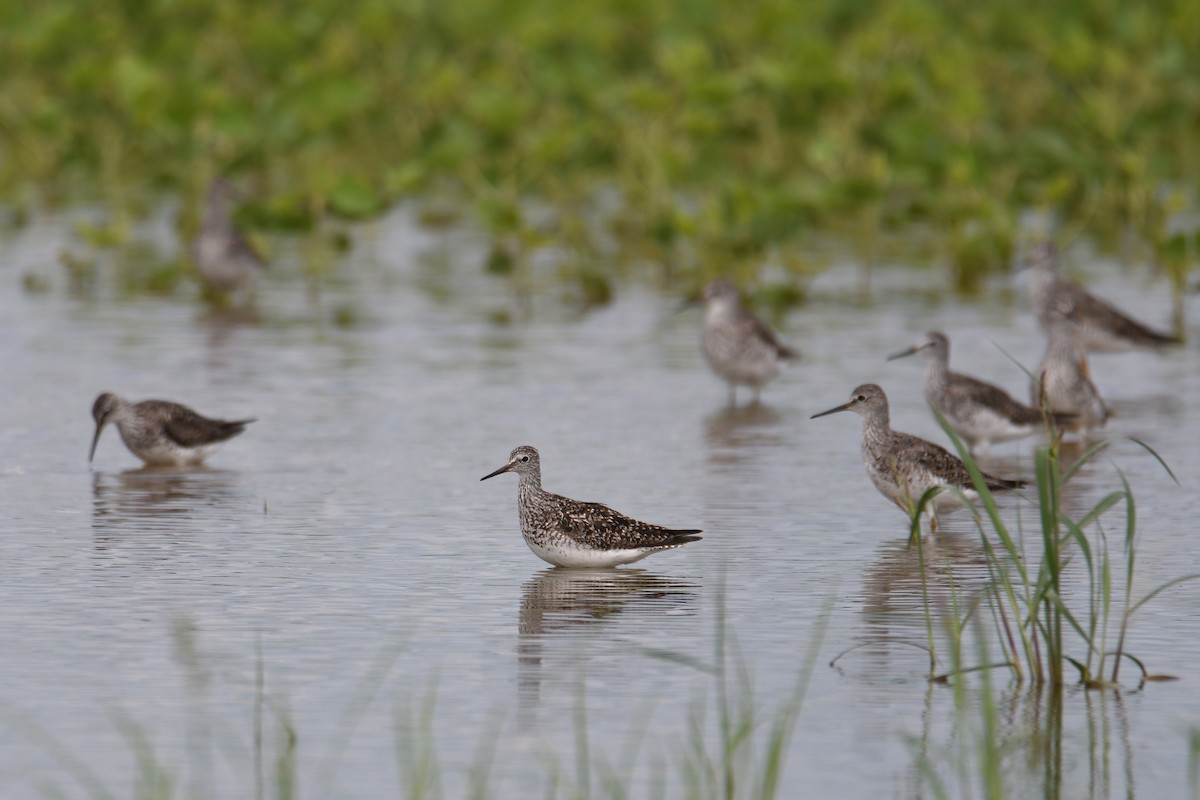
pixel 226 260
pixel 162 433
pixel 1100 327
pixel 979 412
pixel 739 346
pixel 903 467
pixel 571 533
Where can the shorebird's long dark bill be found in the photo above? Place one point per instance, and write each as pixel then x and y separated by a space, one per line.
pixel 500 471
pixel 834 410
pixel 916 348
pixel 95 441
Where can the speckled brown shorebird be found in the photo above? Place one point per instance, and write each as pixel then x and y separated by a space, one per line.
pixel 227 262
pixel 571 533
pixel 739 346
pixel 162 433
pixel 979 412
pixel 1100 327
pixel 903 467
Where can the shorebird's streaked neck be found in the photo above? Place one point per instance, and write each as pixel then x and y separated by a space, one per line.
pixel 722 308
pixel 219 207
pixel 529 479
pixel 1062 343
pixel 876 426
pixel 937 368
pixel 1043 258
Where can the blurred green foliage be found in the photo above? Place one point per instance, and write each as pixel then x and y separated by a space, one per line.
pixel 732 128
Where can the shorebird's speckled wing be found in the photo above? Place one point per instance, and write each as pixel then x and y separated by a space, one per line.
pixel 964 392
pixel 756 330
pixel 1084 308
pixel 241 247
pixel 598 526
pixel 915 455
pixel 188 429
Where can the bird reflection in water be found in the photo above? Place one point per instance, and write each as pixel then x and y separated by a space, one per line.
pixel 558 603
pixel 156 498
pixel 735 431
pixel 893 636
pixel 227 336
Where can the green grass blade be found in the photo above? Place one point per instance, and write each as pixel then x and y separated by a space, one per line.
pixel 1104 505
pixel 1157 457
pixel 49 744
pixel 1084 459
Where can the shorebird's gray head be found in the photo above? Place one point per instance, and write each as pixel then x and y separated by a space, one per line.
pixel 522 460
pixel 720 291
pixel 867 400
pixel 935 345
pixel 103 409
pixel 1042 257
pixel 1060 326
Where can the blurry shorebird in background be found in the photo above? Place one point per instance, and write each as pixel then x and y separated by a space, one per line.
pixel 739 346
pixel 1062 381
pixel 227 262
pixel 977 411
pixel 1100 326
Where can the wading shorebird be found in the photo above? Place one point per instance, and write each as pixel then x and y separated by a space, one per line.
pixel 739 346
pixel 979 412
pixel 571 533
pixel 1062 381
pixel 227 262
pixel 162 433
pixel 903 467
pixel 1101 327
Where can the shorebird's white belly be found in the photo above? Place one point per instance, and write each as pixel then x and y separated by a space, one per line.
pixel 986 425
pixel 583 557
pixel 173 455
pixel 943 502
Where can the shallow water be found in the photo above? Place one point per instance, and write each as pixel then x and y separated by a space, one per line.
pixel 346 537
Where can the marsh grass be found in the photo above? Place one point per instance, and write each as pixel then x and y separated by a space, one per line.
pixel 1031 621
pixel 1194 761
pixel 750 750
pixel 735 748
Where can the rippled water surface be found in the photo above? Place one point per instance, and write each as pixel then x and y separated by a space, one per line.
pixel 401 620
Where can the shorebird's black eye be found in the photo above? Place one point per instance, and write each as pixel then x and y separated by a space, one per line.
pixel 862 398
pixel 524 459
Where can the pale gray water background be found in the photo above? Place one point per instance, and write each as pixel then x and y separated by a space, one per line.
pixel 348 525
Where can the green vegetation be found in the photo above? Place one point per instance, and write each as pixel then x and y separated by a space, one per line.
pixel 1027 596
pixel 1011 739
pixel 701 136
pixel 748 760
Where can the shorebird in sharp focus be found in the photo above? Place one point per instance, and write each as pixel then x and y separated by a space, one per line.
pixel 739 346
pixel 571 533
pixel 903 467
pixel 162 433
pixel 977 411
pixel 226 260
pixel 1101 327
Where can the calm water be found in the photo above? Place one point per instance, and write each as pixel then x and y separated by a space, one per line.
pixel 346 536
